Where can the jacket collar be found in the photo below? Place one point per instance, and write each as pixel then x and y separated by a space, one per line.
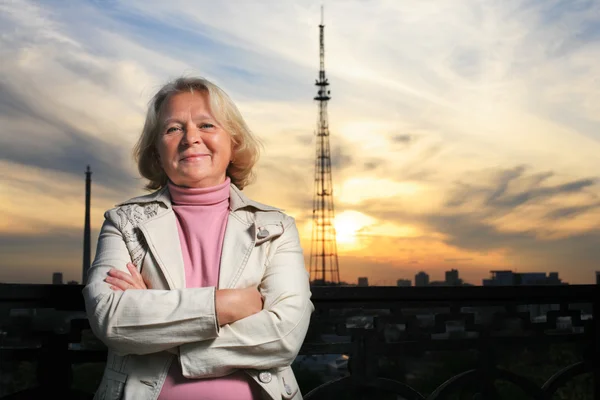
pixel 237 200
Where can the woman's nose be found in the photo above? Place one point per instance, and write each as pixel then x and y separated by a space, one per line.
pixel 192 134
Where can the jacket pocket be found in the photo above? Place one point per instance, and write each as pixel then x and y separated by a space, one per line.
pixel 111 385
pixel 268 231
pixel 287 383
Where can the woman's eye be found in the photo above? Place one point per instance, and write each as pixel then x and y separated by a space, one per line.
pixel 173 129
pixel 206 125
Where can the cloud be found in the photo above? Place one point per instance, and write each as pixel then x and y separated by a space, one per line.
pixel 40 255
pixel 373 165
pixel 468 232
pixel 458 259
pixel 568 212
pixel 511 188
pixel 304 139
pixel 403 138
pixel 341 156
pixel 523 250
pixel 500 102
pixel 516 214
pixel 501 199
pixel 47 142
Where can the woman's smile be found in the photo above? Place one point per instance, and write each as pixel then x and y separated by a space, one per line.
pixel 194 157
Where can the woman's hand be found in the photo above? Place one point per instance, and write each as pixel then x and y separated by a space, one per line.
pixel 234 304
pixel 120 280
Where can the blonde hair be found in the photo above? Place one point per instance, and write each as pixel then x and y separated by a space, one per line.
pixel 246 147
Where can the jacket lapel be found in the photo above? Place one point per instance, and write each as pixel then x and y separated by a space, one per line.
pixel 237 245
pixel 162 236
pixel 240 237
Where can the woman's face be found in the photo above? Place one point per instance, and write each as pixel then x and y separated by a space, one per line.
pixel 194 149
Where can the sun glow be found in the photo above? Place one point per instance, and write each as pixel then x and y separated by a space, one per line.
pixel 348 227
pixel 359 189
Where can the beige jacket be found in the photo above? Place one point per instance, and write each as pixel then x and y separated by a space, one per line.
pixel 145 330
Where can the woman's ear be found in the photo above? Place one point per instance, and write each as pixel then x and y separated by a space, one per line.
pixel 233 151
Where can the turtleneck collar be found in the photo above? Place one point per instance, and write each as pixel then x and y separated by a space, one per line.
pixel 199 196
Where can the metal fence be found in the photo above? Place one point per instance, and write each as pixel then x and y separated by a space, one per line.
pixel 378 340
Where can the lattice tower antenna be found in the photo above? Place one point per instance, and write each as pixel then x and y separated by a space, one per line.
pixel 324 267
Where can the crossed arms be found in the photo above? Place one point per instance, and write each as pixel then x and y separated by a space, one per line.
pixel 213 331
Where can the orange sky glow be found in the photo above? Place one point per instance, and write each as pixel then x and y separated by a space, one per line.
pixel 463 136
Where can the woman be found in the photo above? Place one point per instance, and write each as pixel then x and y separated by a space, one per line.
pixel 198 291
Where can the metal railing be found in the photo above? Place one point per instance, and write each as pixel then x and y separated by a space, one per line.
pixel 386 335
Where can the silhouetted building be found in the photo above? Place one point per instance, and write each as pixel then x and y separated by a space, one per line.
pixel 437 283
pixel 403 282
pixel 510 278
pixel 553 279
pixel 500 278
pixel 57 278
pixel 452 278
pixel 363 281
pixel 531 278
pixel 422 279
pixel 597 277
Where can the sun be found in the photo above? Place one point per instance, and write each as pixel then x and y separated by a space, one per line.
pixel 348 227
pixel 345 230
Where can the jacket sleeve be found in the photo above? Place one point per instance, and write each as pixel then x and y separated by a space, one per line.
pixel 271 338
pixel 143 321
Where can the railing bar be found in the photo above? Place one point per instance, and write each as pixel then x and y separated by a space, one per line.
pixel 378 308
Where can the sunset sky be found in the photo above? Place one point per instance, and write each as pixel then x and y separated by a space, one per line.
pixel 465 134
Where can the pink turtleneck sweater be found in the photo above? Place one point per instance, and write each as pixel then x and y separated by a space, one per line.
pixel 201 220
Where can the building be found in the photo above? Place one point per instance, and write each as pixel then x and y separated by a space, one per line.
pixel 510 278
pixel 500 278
pixel 530 278
pixel 363 281
pixel 57 278
pixel 597 277
pixel 422 279
pixel 452 278
pixel 553 279
pixel 437 283
pixel 403 282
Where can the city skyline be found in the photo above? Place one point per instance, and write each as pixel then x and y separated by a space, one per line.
pixel 463 137
pixel 422 278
